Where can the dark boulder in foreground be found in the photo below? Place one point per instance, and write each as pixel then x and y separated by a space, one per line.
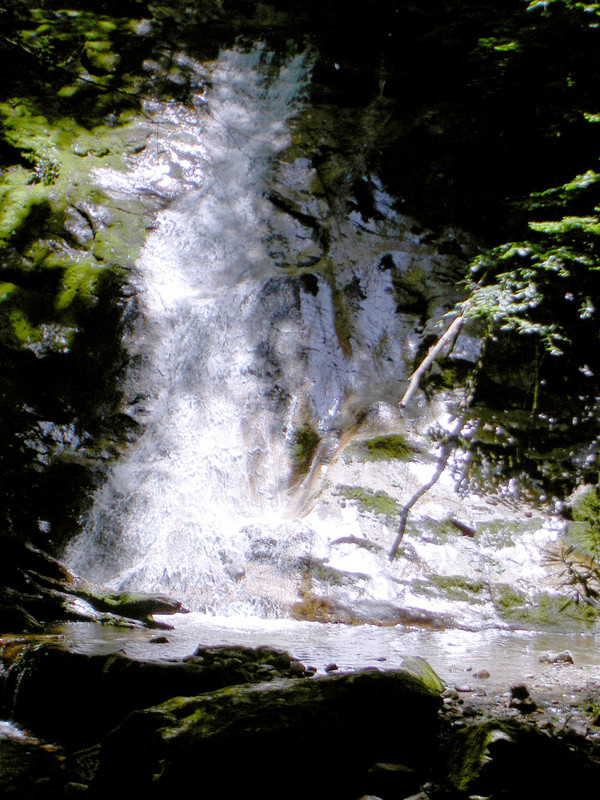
pixel 30 771
pixel 508 759
pixel 75 698
pixel 313 739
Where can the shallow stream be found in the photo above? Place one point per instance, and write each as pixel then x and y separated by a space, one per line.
pixel 509 657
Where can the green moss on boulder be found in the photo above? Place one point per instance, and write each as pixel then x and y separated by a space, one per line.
pixel 352 720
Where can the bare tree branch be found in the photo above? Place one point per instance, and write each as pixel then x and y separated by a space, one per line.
pixel 441 466
pixel 446 340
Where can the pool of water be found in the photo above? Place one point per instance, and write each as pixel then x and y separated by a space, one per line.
pixel 457 656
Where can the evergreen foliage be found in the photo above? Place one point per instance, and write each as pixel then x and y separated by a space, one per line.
pixel 538 292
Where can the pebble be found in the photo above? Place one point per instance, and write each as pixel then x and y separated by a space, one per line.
pixel 520 692
pixel 521 700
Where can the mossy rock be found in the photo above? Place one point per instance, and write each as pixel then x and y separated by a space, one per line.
pixel 421 669
pixel 461 589
pixel 507 759
pixel 90 694
pixel 380 448
pixel 135 605
pixel 368 501
pixel 584 530
pixel 356 720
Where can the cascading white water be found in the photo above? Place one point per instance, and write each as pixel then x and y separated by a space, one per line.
pixel 171 514
pixel 264 312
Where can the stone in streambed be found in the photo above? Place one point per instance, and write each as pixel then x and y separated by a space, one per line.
pixel 134 605
pixel 422 670
pixel 563 657
pixel 315 738
pixel 522 700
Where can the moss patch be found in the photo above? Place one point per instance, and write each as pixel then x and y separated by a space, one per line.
pixel 380 448
pixel 584 530
pixel 470 754
pixel 368 501
pixel 456 587
pixel 304 444
pixel 544 610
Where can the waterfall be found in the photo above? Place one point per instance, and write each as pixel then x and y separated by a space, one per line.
pixel 231 347
pixel 171 515
pixel 274 332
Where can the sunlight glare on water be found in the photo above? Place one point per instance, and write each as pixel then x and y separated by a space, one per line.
pixel 457 656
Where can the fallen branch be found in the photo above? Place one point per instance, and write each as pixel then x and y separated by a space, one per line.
pixel 445 341
pixel 441 466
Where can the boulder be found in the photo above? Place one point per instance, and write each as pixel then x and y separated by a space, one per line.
pixel 29 771
pixel 508 759
pixel 549 657
pixel 422 670
pixel 35 589
pixel 315 738
pixel 75 698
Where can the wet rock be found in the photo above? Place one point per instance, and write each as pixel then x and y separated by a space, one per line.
pixel 29 771
pixel 392 780
pixel 75 789
pixel 563 657
pixel 450 694
pixel 522 700
pixel 14 619
pixel 470 711
pixel 138 605
pixel 259 659
pixel 43 685
pixel 482 674
pixel 577 726
pixel 78 227
pixel 35 589
pixel 349 721
pixel 422 670
pixel 317 608
pixel 520 692
pixel 505 759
